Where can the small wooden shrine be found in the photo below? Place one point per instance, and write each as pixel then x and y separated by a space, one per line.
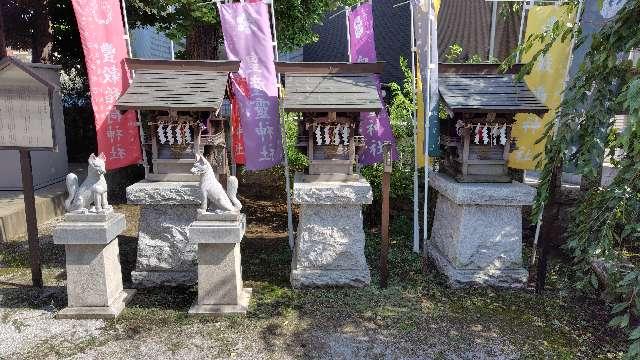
pixel 330 98
pixel 481 104
pixel 179 105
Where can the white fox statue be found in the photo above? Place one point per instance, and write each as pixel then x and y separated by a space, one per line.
pixel 92 191
pixel 212 192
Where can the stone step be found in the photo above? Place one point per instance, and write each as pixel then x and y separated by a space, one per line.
pixel 49 205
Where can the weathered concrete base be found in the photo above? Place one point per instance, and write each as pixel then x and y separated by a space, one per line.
pixel 458 278
pixel 305 278
pixel 220 287
pixel 476 237
pixel 329 248
pixel 107 312
pixel 94 275
pixel 165 255
pixel 218 310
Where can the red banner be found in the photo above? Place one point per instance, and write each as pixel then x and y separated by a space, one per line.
pixel 102 34
pixel 236 125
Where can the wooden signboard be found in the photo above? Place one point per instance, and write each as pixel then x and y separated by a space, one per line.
pixel 27 102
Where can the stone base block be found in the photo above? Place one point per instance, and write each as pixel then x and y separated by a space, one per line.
pixel 107 312
pixel 149 279
pixel 323 278
pixel 458 278
pixel 329 248
pixel 476 237
pixel 219 310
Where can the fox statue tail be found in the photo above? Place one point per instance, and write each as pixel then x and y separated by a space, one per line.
pixel 72 188
pixel 232 192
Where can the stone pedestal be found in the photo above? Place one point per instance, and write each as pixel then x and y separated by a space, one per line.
pixel 94 278
pixel 329 248
pixel 220 289
pixel 476 237
pixel 165 255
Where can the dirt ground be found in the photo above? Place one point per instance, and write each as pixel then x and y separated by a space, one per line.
pixel 416 317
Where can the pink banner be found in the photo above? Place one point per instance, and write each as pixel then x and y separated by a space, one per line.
pixel 247 37
pixel 102 34
pixel 376 128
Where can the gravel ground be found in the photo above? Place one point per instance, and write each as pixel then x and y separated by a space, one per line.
pixel 416 317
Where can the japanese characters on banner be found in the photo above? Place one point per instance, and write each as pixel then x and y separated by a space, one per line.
pixel 546 81
pixel 236 134
pixel 376 128
pixel 102 34
pixel 247 37
pixel 425 30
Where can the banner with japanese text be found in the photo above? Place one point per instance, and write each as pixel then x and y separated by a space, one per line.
pixel 236 132
pixel 425 14
pixel 247 38
pixel 546 81
pixel 376 128
pixel 102 35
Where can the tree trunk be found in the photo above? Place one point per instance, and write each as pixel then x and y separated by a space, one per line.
pixel 42 40
pixel 3 41
pixel 550 227
pixel 203 42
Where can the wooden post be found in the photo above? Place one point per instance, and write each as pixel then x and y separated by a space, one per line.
pixel 550 215
pixel 384 242
pixel 30 213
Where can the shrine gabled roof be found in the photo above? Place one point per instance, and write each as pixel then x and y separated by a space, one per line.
pixel 485 93
pixel 181 85
pixel 32 70
pixel 330 87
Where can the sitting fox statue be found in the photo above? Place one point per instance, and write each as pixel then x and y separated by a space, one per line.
pixel 93 189
pixel 212 192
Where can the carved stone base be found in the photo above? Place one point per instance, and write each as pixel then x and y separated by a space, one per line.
pixel 218 310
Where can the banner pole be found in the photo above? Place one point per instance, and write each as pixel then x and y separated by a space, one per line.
pixel 416 190
pixel 283 129
pixel 346 17
pixel 427 115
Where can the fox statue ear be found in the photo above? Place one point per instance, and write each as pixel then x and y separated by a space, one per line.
pixel 102 157
pixel 92 156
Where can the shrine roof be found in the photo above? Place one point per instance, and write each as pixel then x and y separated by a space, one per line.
pixel 182 85
pixel 330 87
pixel 485 93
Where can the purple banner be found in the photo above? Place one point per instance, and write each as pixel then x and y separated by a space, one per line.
pixel 247 37
pixel 376 128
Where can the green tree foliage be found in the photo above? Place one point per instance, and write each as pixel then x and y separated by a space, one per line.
pixel 605 227
pixel 295 19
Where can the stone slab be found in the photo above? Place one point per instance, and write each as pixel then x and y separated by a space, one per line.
pixel 106 312
pixel 310 278
pixel 352 192
pixel 89 217
pixel 515 194
pixel 165 254
pixel 151 279
pixel 90 232
pixel 217 232
pixel 164 193
pixel 458 278
pixel 224 216
pixel 219 310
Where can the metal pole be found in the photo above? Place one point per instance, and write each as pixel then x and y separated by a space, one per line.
pixel 416 190
pixel 521 31
pixel 427 112
pixel 492 39
pixel 346 18
pixel 384 239
pixel 283 130
pixel 32 220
